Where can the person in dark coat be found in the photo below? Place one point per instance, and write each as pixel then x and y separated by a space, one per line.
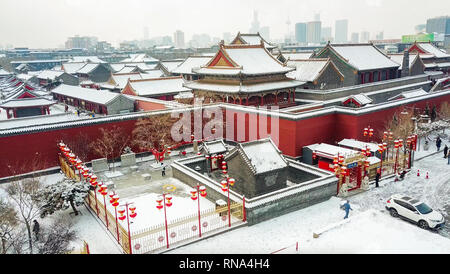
pixel 438 143
pixel 36 229
pixel 377 178
pixel 164 171
pixel 347 208
pixel 445 151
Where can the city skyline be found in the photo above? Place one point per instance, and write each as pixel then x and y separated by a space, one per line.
pixel 48 24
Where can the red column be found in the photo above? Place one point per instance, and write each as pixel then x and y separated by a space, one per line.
pixel 14 113
pixel 362 77
pixel 262 101
pixel 387 74
pixel 379 75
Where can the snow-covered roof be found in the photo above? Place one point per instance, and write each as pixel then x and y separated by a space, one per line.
pixel 170 65
pixel 191 62
pixel 215 147
pixel 252 39
pixel 297 55
pixel 139 58
pixel 158 86
pixel 246 59
pixel 4 72
pixel 398 58
pixel 86 59
pixel 72 68
pixel 308 70
pixel 49 74
pixel 27 102
pixel 409 94
pixel 352 143
pixel 363 56
pixel 226 88
pixel 329 151
pixel 430 48
pixel 88 68
pixel 263 155
pixel 121 79
pixel 92 95
pixel 361 98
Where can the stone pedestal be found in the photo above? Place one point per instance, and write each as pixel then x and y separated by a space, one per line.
pixel 100 165
pixel 128 159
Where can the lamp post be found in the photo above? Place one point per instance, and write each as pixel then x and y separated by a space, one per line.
pixel 396 147
pixel 381 149
pixel 226 184
pixel 93 181
pixel 102 189
pixel 202 191
pixel 115 202
pixel 166 200
pixel 132 208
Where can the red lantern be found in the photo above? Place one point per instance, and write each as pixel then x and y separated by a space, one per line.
pixel 183 152
pixel 132 213
pixel 121 212
pixel 202 191
pixel 385 135
pixel 341 159
pixel 224 172
pixel 194 195
pixel 367 163
pixel 192 137
pixel 368 152
pixel 314 155
pixel 168 200
pixel 396 144
pixel 335 160
pixel 400 143
pixel 391 135
pixel 366 131
pixel 371 132
pixel 224 186
pixel 231 181
pixel 159 201
pixel 384 146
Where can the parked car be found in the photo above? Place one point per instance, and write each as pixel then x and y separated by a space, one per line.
pixel 415 211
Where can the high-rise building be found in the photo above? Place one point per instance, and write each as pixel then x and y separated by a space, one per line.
pixel 313 30
pixel 326 34
pixel 265 33
pixel 355 38
pixel 365 36
pixel 440 25
pixel 300 32
pixel 178 38
pixel 255 24
pixel 84 42
pixel 420 28
pixel 379 36
pixel 341 31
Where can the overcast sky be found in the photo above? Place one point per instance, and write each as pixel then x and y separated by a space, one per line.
pixel 48 23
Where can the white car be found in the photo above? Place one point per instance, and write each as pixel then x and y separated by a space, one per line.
pixel 415 211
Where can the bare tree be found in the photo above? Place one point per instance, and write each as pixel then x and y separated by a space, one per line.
pixel 153 133
pixel 111 143
pixel 56 239
pixel 444 111
pixel 23 194
pixel 8 222
pixel 80 145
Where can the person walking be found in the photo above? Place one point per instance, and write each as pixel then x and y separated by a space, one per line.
pixel 377 178
pixel 164 171
pixel 438 143
pixel 347 209
pixel 36 229
pixel 448 158
pixel 445 151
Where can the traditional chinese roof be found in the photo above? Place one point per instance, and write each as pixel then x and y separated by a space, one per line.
pixel 191 62
pixel 215 147
pixel 27 102
pixel 398 58
pixel 243 59
pixel 359 99
pixel 86 59
pixel 139 58
pixel 429 49
pixel 330 151
pixel 101 97
pixel 157 86
pixel 308 70
pixel 251 39
pixel 355 144
pixel 360 56
pixel 298 55
pixel 240 88
pixel 261 155
pixel 121 79
pixel 409 94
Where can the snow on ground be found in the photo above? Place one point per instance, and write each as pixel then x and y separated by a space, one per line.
pixel 370 228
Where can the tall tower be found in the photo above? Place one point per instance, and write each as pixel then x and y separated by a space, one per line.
pixel 255 23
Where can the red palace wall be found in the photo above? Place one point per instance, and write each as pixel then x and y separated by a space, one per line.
pixel 20 151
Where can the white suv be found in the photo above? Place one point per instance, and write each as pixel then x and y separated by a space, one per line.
pixel 415 211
